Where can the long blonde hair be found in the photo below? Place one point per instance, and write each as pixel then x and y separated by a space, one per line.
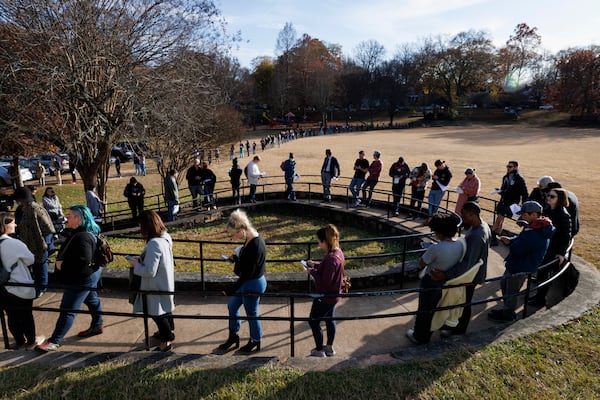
pixel 330 235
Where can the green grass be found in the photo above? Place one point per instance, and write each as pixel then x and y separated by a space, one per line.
pixel 275 227
pixel 558 364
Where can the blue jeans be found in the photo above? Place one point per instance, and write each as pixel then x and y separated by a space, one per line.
pixel 368 185
pixel 195 190
pixel 171 214
pixel 40 274
pixel 250 303
pixel 317 312
pixel 72 300
pixel 434 199
pixel 289 188
pixel 252 193
pixel 355 185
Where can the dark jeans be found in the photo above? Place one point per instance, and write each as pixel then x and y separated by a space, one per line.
pixel 428 300
pixel 370 185
pixel 20 318
pixel 398 190
pixel 289 188
pixel 136 206
pixel 72 300
pixel 236 195
pixel 317 312
pixel 465 318
pixel 252 194
pixel 165 327
pixel 40 274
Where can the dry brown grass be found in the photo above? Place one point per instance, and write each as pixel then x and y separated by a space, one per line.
pixel 567 154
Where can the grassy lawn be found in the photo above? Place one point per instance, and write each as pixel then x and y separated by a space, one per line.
pixel 560 363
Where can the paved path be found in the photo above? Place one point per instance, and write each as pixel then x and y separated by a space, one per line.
pixel 358 343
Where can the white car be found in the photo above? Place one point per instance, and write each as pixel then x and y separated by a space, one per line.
pixel 5 177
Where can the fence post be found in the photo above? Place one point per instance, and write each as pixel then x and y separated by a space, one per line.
pixel 403 263
pixel 292 320
pixel 526 300
pixel 202 266
pixel 145 309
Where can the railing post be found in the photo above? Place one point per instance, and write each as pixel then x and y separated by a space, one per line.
pixel 403 263
pixel 292 332
pixel 526 299
pixel 145 309
pixel 202 267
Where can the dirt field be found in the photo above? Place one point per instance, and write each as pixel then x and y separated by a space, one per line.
pixel 568 155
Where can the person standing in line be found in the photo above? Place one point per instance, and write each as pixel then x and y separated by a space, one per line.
pixel 374 172
pixel 254 174
pixel 52 204
pixel 118 166
pixel 73 169
pixel 526 253
pixel 94 203
pixel 232 152
pixel 419 177
pixel 235 175
pixel 136 164
pixel 75 263
pixel 172 195
pixel 40 172
pixel 328 275
pixel 441 179
pixel 250 267
pixel 156 267
pixel 135 192
pixel 399 171
pixel 478 237
pixel 57 162
pixel 361 166
pixel 36 230
pixel 209 180
pixel 143 164
pixel 17 300
pixel 329 170
pixel 512 191
pixel 468 190
pixel 194 180
pixel 289 169
pixel 241 150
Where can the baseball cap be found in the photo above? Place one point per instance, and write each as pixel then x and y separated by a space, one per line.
pixel 529 207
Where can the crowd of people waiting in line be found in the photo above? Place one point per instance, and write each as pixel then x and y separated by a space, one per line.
pixel 549 216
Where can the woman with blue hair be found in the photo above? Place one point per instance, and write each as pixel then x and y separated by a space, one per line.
pixel 77 270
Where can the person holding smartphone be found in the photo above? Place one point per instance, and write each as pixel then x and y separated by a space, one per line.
pixel 328 275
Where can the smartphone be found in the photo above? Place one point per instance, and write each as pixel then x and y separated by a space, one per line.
pixel 131 258
pixel 224 257
pixel 304 264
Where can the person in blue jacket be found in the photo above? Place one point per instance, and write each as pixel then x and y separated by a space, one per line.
pixel 526 253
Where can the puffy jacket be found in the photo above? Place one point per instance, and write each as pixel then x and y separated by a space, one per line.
pixel 528 249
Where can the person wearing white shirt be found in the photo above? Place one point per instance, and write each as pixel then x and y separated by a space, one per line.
pixel 17 300
pixel 254 174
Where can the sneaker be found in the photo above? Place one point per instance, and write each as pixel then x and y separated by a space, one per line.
pixel 396 213
pixel 92 331
pixel 447 331
pixel 329 351
pixel 46 347
pixel 410 334
pixel 317 353
pixel 502 316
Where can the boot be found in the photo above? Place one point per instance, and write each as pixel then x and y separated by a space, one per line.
pixel 251 346
pixel 233 339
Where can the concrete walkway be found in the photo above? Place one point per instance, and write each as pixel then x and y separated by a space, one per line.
pixel 359 342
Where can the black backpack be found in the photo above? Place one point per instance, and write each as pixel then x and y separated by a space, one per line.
pixel 246 171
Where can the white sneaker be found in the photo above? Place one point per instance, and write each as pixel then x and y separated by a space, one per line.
pixel 329 351
pixel 410 334
pixel 317 353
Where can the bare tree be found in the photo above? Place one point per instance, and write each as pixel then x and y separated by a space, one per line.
pixel 520 56
pixel 286 40
pixel 84 64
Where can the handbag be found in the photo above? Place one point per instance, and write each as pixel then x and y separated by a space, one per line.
pixel 135 282
pixel 346 284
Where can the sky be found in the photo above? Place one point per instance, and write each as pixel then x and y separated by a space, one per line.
pixel 561 23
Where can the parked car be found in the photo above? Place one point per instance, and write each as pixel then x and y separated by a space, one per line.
pixel 5 176
pixel 547 107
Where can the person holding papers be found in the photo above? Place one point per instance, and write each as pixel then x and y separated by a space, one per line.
pixel 441 179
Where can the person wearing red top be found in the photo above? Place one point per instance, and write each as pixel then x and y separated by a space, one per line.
pixel 374 172
pixel 328 275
